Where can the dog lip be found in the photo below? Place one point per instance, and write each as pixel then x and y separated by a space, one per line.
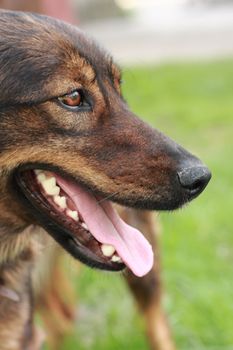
pixel 175 201
pixel 61 232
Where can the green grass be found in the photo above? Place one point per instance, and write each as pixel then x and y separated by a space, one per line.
pixel 193 104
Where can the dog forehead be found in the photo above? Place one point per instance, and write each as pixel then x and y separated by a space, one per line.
pixel 35 48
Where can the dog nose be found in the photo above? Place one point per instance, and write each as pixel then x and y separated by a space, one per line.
pixel 194 179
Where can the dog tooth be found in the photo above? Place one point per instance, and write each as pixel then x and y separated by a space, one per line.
pixel 107 250
pixel 73 214
pixel 60 201
pixel 38 171
pixel 49 185
pixel 116 258
pixel 84 225
pixel 41 177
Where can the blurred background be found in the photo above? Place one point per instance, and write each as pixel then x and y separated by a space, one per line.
pixel 177 60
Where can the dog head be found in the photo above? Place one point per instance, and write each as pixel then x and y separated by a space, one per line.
pixel 68 141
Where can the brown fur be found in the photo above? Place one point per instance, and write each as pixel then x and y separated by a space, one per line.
pixel 106 149
pixel 16 331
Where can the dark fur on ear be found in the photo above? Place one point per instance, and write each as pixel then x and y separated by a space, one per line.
pixel 40 45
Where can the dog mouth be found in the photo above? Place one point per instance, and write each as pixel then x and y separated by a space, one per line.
pixel 87 226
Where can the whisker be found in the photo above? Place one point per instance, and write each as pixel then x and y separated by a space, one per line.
pixel 107 197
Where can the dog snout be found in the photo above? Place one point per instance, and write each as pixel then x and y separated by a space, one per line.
pixel 194 179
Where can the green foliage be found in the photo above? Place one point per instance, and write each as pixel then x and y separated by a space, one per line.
pixel 193 104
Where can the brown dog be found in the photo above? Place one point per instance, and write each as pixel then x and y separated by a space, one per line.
pixel 68 145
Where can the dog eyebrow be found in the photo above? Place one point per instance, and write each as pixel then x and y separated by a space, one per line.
pixel 89 76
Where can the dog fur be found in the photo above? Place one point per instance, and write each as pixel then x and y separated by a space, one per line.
pixel 107 149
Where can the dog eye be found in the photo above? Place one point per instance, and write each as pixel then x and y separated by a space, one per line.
pixel 74 100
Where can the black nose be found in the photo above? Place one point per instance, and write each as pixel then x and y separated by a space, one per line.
pixel 194 179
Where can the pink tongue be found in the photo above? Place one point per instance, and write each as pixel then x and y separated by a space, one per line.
pixel 108 228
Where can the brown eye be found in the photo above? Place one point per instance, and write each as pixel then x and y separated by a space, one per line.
pixel 73 99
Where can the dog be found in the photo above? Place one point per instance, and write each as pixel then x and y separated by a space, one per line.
pixel 69 146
